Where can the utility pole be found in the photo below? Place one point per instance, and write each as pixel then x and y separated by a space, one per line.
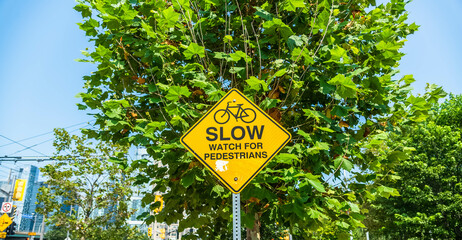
pixel 42 231
pixel 70 213
pixel 154 230
pixel 33 225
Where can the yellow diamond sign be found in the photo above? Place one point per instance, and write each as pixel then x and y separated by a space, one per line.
pixel 5 221
pixel 235 139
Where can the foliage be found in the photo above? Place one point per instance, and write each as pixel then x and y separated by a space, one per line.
pixel 56 233
pixel 450 112
pixel 85 178
pixel 325 69
pixel 430 181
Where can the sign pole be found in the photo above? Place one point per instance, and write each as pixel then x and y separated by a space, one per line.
pixel 236 216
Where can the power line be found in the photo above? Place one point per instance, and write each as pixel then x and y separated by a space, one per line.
pixel 22 145
pixel 41 143
pixel 28 160
pixel 46 133
pixel 32 147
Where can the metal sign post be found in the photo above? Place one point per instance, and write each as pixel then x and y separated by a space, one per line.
pixel 236 216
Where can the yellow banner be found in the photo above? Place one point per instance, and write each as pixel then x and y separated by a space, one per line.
pixel 19 188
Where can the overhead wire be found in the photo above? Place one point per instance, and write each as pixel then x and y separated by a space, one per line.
pixel 47 133
pixel 13 165
pixel 41 143
pixel 21 144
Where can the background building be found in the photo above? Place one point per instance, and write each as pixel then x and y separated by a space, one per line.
pixel 30 199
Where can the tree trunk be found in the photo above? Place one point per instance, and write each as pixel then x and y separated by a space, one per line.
pixel 254 233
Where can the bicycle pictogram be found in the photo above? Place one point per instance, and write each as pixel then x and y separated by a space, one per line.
pixel 222 116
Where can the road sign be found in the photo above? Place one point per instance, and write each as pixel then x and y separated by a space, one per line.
pixel 27 216
pixel 235 139
pixel 32 233
pixel 6 207
pixel 19 188
pixel 159 198
pixel 2 234
pixel 5 221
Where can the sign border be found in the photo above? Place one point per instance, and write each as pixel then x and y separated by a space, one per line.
pixel 289 137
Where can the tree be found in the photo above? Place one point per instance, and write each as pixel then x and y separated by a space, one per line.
pixel 56 233
pixel 430 180
pixel 324 69
pixel 87 176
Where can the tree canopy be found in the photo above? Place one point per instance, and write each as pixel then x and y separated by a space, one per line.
pixel 430 180
pixel 325 69
pixel 88 178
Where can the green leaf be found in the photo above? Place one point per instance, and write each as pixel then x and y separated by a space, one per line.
pixel 358 71
pixel 434 92
pixel 386 192
pixel 292 5
pixel 346 88
pixel 317 185
pixel 269 103
pixel 382 45
pixel 238 71
pixel 346 164
pixel 280 73
pixel 276 25
pixel 228 38
pixel 257 84
pixel 219 190
pixel 238 55
pixel 148 29
pixel 339 55
pixel 305 135
pixel 263 14
pixel 320 23
pixel 170 16
pixel 83 9
pixel 316 115
pixel 318 146
pixel 325 129
pixel 193 49
pixel 408 79
pixel 222 55
pixel 343 225
pixel 175 93
pixel 294 41
pixel 187 179
pixel 152 126
pixel 286 158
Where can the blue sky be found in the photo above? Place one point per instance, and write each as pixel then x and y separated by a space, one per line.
pixel 433 54
pixel 39 77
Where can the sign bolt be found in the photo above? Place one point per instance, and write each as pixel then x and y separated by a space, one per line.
pixel 235 179
pixel 234 100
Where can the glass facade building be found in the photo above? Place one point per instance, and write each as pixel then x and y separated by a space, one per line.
pixel 30 199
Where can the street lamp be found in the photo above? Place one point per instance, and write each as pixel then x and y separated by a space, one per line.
pixel 34 216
